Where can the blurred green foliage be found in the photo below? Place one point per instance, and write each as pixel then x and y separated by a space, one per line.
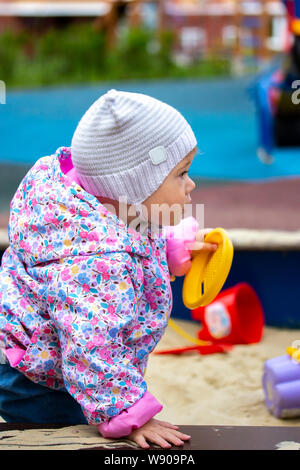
pixel 78 53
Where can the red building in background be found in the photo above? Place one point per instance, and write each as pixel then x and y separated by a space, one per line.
pixel 202 27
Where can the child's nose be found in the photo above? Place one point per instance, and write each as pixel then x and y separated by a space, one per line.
pixel 191 184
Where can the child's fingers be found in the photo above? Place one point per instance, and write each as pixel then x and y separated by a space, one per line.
pixel 197 246
pixel 167 436
pixel 157 433
pixel 142 438
pixel 174 439
pixel 201 234
pixel 208 246
pixel 166 424
pixel 181 435
pixel 173 429
pixel 177 438
pixel 141 441
pixel 157 439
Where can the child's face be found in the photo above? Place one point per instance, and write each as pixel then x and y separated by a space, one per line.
pixel 175 190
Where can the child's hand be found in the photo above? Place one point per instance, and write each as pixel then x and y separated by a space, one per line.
pixel 158 432
pixel 199 243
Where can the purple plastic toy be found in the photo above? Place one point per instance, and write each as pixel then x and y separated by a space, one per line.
pixel 281 384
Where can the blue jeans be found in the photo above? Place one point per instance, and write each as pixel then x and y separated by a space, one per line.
pixel 23 401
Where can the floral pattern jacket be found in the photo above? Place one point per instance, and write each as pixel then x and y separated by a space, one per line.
pixel 84 297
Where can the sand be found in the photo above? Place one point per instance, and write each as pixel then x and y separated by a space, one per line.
pixel 67 438
pixel 219 389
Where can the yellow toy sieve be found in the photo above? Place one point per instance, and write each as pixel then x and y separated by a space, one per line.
pixel 209 271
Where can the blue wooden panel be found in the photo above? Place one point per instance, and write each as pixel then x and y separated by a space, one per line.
pixel 275 276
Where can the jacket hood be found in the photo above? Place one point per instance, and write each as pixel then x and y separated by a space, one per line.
pixel 52 217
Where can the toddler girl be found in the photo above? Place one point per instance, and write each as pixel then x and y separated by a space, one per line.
pixel 85 292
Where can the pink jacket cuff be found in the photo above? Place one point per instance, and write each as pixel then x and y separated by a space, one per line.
pixel 131 418
pixel 178 237
pixel 14 355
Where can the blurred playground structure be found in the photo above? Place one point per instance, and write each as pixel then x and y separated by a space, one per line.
pixel 277 94
pixel 239 29
pixel 242 30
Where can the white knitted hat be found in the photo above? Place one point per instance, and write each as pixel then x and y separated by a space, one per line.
pixel 127 143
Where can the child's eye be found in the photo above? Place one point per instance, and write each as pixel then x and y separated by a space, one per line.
pixel 182 174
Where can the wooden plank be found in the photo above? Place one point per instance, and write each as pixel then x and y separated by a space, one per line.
pixel 53 437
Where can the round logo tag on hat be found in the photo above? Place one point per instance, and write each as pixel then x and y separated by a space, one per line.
pixel 158 155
